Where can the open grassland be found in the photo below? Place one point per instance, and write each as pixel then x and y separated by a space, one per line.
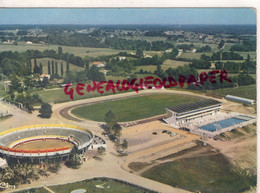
pixel 133 108
pixel 44 62
pixel 94 185
pixel 166 64
pixel 241 91
pixel 252 54
pixel 148 68
pixel 212 174
pixel 57 95
pixel 173 64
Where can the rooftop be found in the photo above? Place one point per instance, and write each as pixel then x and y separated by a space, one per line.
pixel 194 105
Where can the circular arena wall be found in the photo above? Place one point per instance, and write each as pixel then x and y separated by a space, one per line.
pixel 12 138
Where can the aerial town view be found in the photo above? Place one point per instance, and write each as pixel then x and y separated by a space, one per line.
pixel 128 100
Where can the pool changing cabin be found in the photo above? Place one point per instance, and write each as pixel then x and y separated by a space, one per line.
pixel 184 113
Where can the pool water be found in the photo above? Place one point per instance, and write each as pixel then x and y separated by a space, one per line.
pixel 222 124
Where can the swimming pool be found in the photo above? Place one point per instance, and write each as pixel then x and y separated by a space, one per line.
pixel 223 124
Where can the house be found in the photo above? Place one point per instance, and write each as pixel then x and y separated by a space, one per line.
pixel 45 75
pixel 98 64
pixel 147 56
pixel 169 50
pixel 122 58
pixel 29 43
pixel 194 50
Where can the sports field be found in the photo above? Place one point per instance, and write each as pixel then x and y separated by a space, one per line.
pixel 212 174
pixel 94 185
pixel 133 108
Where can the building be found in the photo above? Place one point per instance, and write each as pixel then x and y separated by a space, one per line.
pixel 98 64
pixel 45 75
pixel 29 43
pixel 240 99
pixel 122 58
pixel 184 113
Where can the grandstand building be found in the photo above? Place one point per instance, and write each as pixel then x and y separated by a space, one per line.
pixel 181 114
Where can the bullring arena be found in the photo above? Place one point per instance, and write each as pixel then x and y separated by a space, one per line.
pixel 39 141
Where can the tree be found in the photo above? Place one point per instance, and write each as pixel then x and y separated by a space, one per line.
pixel 101 150
pixel 61 69
pixel 110 120
pixel 40 68
pixel 15 83
pixel 221 44
pixel 139 53
pixel 67 67
pixel 75 159
pixel 56 68
pixel 30 65
pixel 60 51
pixel 49 67
pixel 116 129
pixel 36 68
pixel 125 144
pixel 52 67
pixel 45 110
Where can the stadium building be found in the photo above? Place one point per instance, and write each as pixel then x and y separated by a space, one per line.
pixel 34 141
pixel 181 114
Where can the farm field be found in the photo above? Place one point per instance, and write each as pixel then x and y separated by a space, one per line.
pixel 190 55
pixel 44 62
pixel 173 64
pixel 78 51
pixel 93 185
pixel 132 108
pixel 212 174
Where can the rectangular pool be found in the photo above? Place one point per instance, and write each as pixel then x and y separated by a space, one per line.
pixel 223 124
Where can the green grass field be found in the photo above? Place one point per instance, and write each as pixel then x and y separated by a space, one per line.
pixel 44 62
pixel 132 108
pixel 241 91
pixel 210 174
pixel 107 186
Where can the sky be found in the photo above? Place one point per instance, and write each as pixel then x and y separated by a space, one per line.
pixel 128 16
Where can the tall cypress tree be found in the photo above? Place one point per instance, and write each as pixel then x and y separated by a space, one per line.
pixel 56 68
pixel 52 67
pixel 30 65
pixel 61 69
pixel 35 67
pixel 67 67
pixel 40 68
pixel 49 67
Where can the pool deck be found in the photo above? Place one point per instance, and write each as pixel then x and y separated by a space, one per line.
pixel 195 125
